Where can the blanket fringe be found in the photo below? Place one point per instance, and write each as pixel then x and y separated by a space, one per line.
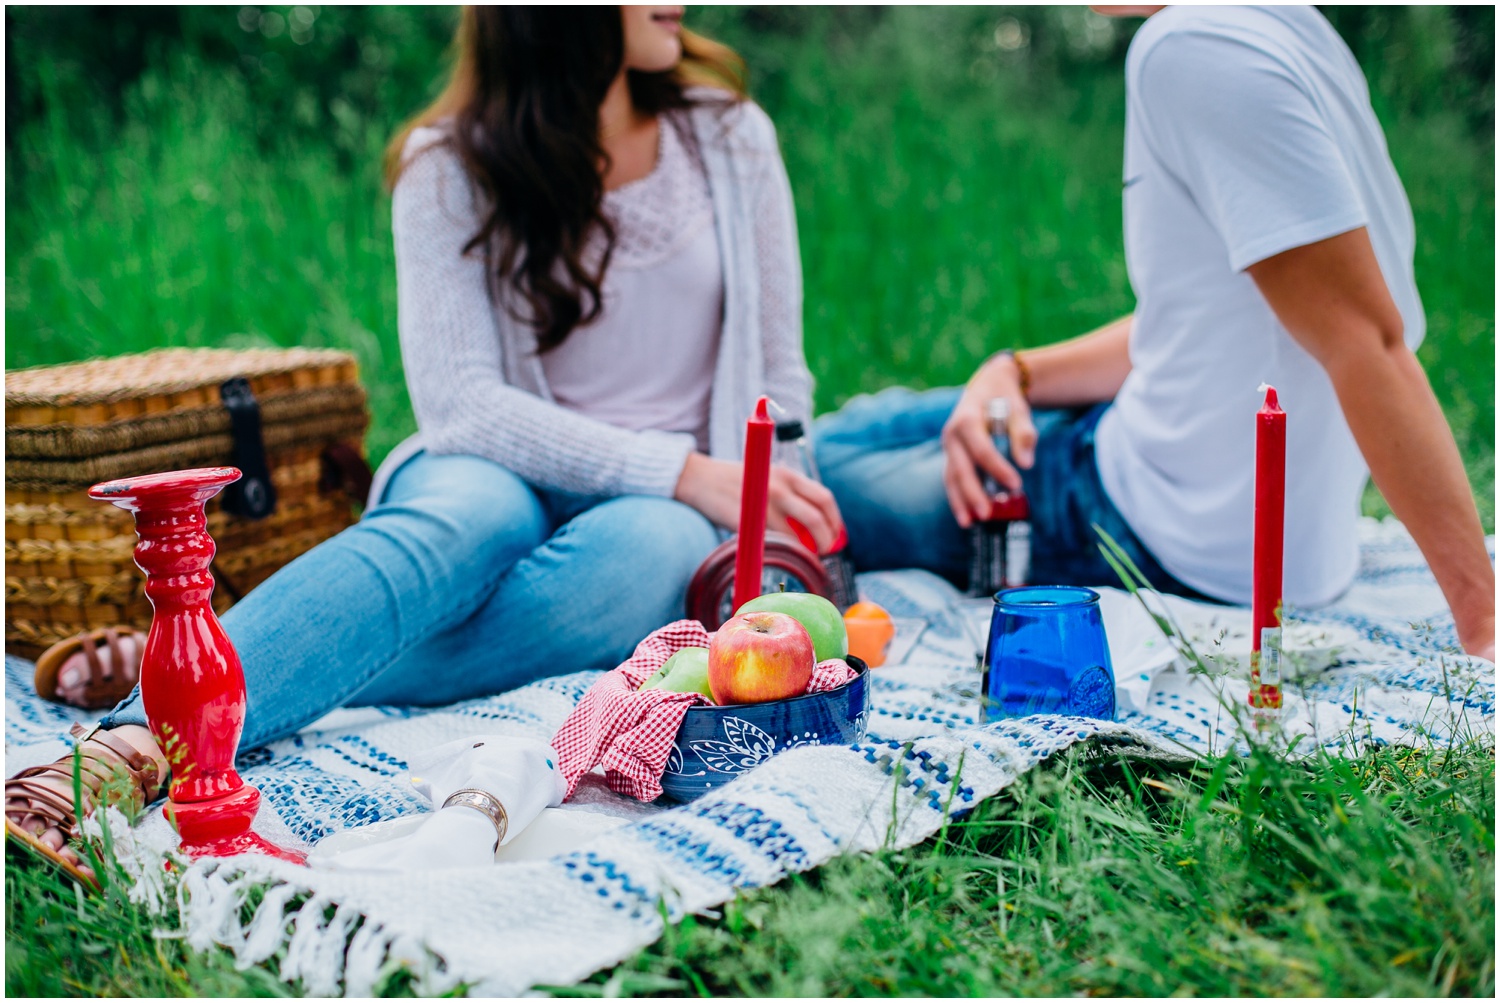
pixel 143 864
pixel 331 948
pixel 266 931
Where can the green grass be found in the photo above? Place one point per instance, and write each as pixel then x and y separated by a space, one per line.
pixel 61 942
pixel 950 201
pixel 184 231
pixel 1103 877
pixel 1091 875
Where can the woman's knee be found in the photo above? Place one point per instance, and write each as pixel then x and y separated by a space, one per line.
pixel 659 534
pixel 452 505
pixel 606 579
pixel 457 482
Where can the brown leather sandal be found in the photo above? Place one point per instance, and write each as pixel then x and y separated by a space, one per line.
pixel 110 679
pixel 105 761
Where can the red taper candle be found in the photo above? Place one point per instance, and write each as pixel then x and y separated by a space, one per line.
pixel 1270 521
pixel 751 553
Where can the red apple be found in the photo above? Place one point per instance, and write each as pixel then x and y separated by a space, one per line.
pixel 758 657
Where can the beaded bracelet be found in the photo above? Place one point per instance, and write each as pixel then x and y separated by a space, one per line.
pixel 1023 371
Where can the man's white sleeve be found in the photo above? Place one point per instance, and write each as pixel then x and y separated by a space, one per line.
pixel 1243 136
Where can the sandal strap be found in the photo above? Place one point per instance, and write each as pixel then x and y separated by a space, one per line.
pixel 101 759
pixel 94 771
pixel 107 668
pixel 44 802
pixel 142 767
pixel 89 645
pixel 116 666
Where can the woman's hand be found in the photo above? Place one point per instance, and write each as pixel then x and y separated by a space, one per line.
pixel 713 488
pixel 968 446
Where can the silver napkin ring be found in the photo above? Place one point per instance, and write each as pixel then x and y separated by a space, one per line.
pixel 487 804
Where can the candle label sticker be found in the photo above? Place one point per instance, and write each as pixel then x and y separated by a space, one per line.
pixel 1270 656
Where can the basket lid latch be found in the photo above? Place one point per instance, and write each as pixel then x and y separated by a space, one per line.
pixel 252 496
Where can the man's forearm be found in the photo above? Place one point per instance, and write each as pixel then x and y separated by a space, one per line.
pixel 1083 370
pixel 1332 298
pixel 1414 461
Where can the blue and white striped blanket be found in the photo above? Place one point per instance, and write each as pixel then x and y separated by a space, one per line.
pixel 1395 677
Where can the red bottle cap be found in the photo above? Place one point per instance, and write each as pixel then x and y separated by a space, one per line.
pixel 1010 508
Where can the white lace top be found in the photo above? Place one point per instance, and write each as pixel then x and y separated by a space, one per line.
pixel 648 360
pixel 477 383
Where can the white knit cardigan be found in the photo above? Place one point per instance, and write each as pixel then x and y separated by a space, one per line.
pixel 472 370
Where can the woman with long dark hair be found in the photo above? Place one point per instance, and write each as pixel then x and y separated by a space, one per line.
pixel 597 275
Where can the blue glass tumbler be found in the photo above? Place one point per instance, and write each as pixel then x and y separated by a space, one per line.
pixel 1048 654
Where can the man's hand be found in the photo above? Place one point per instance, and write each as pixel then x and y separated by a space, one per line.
pixel 1074 373
pixel 713 488
pixel 968 447
pixel 1332 298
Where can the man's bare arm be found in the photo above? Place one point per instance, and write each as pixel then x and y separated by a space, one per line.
pixel 1333 300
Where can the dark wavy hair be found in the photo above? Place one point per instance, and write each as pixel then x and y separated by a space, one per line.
pixel 522 113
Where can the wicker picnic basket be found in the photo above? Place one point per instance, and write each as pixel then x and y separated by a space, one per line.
pixel 297 415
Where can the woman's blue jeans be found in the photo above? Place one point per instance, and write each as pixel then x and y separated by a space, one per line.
pixel 882 458
pixel 462 582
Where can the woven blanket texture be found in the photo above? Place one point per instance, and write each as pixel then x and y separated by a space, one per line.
pixel 503 929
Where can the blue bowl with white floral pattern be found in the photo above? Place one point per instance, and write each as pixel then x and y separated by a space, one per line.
pixel 717 744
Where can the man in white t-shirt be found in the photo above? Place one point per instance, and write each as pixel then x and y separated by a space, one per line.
pixel 1268 240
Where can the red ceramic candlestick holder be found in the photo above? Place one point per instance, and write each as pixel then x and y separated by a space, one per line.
pixel 192 685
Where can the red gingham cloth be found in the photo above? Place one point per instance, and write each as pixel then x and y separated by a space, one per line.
pixel 629 731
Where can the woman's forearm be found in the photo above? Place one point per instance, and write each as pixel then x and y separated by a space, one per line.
pixel 1080 371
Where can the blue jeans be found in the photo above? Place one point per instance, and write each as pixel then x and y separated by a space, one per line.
pixel 881 457
pixel 462 582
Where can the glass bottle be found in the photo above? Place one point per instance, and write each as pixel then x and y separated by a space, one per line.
pixel 795 452
pixel 1000 553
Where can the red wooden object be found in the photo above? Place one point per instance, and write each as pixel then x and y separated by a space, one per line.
pixel 1270 521
pixel 192 686
pixel 712 584
pixel 754 488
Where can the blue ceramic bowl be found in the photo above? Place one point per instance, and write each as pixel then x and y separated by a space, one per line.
pixel 717 744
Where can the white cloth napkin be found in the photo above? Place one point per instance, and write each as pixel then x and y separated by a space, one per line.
pixel 1138 650
pixel 520 773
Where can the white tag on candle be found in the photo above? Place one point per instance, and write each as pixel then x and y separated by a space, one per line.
pixel 1270 656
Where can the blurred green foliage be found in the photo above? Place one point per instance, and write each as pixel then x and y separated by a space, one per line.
pixel 332 73
pixel 203 175
pixel 328 69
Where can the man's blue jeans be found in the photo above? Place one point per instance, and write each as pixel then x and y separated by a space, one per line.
pixel 881 456
pixel 462 582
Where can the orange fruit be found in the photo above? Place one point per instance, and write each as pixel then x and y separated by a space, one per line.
pixel 870 632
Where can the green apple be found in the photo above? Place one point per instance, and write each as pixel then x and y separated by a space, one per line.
pixel 685 672
pixel 819 617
